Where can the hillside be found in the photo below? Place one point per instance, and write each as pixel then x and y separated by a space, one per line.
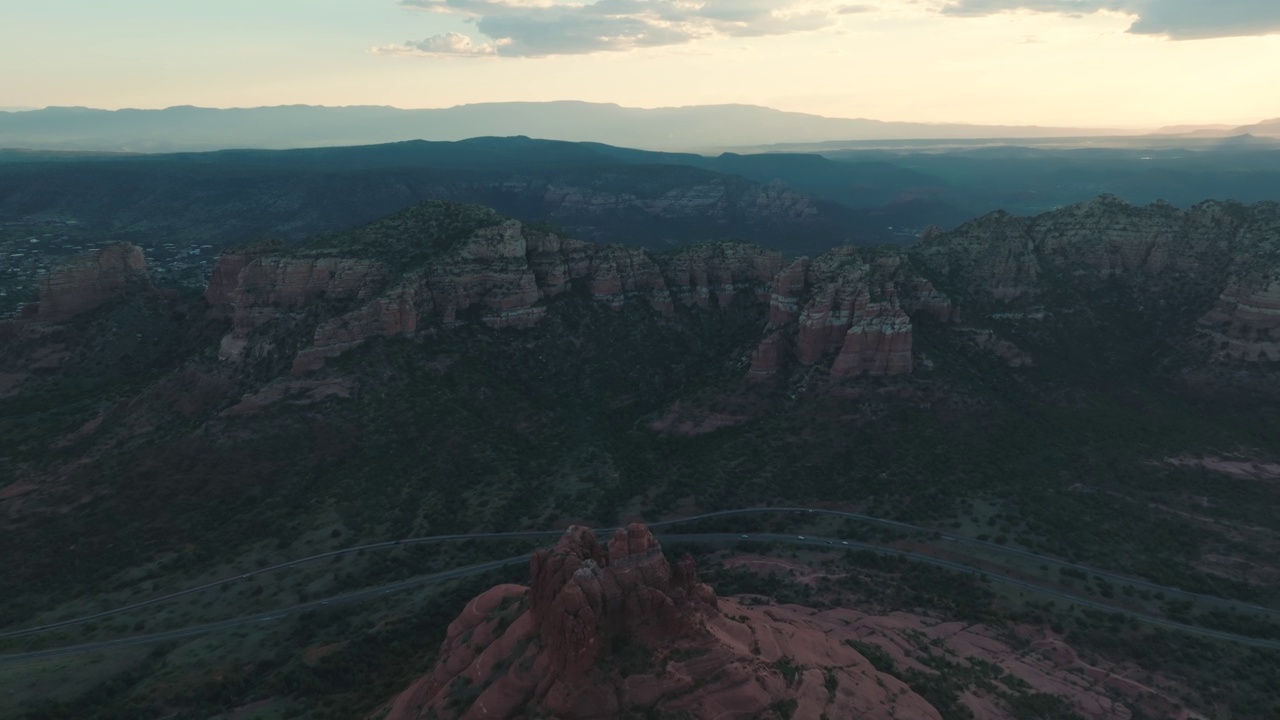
pixel 1089 385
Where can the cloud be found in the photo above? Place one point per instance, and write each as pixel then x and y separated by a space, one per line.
pixel 1175 19
pixel 1198 19
pixel 447 44
pixel 536 28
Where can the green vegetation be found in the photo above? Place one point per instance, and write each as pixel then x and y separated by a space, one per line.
pixel 465 429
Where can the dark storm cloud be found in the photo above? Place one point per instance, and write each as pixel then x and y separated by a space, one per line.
pixel 1176 19
pixel 529 29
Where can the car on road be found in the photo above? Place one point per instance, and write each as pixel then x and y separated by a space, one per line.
pixel 799 537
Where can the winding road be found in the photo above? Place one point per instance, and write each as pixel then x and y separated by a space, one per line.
pixel 837 543
pixel 267 616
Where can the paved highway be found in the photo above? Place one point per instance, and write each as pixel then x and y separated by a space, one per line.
pixel 536 535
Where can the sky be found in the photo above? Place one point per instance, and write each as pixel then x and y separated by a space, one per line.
pixel 1083 63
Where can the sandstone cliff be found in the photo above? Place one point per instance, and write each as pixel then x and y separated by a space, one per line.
pixel 1215 267
pixel 501 275
pixel 852 302
pixel 88 281
pixel 1244 324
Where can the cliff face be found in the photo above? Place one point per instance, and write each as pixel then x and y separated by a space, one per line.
pixel 850 302
pixel 616 631
pixel 88 281
pixel 1168 261
pixel 852 311
pixel 1244 325
pixel 501 274
pixel 1003 257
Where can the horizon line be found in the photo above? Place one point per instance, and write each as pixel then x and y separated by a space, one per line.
pixel 14 110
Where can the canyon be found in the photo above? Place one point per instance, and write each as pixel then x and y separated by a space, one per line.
pixel 450 370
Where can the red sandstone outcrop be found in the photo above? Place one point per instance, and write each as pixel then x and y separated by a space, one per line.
pixel 616 631
pixel 225 279
pixel 852 303
pixel 723 270
pixel 607 631
pixel 1245 323
pixel 505 270
pixel 88 281
pixel 769 356
pixel 877 343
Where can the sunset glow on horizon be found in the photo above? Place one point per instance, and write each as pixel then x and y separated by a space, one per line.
pixel 1082 63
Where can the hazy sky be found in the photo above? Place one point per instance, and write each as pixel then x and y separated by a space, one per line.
pixel 1067 62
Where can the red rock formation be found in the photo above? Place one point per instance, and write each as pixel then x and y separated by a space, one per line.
pixel 269 287
pixel 89 281
pixel 851 302
pixel 225 279
pixel 878 343
pixel 585 597
pixel 608 631
pixel 393 314
pixel 545 646
pixel 1244 325
pixel 788 288
pixel 768 357
pixel 504 269
pixel 722 270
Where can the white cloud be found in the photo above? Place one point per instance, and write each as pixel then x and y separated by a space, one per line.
pixel 535 28
pixel 439 45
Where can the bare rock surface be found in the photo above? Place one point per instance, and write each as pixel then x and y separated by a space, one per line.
pixel 1220 256
pixel 848 309
pixel 615 630
pixel 88 281
pixel 502 275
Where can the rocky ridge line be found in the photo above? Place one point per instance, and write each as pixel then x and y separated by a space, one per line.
pixel 507 272
pixel 1221 252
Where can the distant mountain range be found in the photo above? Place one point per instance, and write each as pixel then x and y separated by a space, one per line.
pixel 707 127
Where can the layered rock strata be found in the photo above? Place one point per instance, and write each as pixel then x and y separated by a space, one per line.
pixel 506 272
pixel 88 281
pixel 853 303
pixel 1168 259
pixel 1244 324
